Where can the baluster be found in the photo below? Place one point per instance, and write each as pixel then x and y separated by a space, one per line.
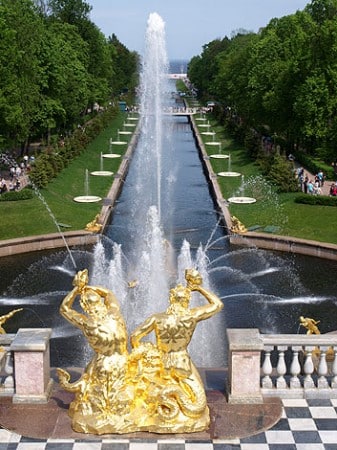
pixel 281 368
pixel 322 370
pixel 267 368
pixel 7 379
pixel 334 369
pixel 308 368
pixel 295 369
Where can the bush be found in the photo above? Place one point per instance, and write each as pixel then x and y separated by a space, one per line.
pixel 13 196
pixel 49 165
pixel 322 200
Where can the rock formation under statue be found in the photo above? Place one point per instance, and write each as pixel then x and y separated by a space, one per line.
pixel 156 386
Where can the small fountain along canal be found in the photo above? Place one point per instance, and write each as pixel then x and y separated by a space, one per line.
pixel 152 238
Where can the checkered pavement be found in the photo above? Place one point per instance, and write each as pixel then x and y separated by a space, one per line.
pixel 304 425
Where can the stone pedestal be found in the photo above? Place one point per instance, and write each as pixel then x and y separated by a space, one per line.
pixel 245 346
pixel 32 365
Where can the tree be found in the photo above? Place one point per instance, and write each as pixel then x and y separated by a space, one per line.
pixel 20 69
pixel 203 69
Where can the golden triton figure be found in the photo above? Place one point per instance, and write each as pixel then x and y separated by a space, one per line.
pixel 310 325
pixel 181 402
pixel 101 397
pixel 3 319
pixel 154 388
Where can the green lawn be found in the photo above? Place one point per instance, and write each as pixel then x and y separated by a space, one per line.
pixel 271 210
pixel 31 217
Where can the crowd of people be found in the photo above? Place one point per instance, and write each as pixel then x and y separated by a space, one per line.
pixel 13 175
pixel 314 185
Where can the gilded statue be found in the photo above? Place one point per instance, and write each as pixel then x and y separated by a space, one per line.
pixel 3 319
pixel 312 328
pixel 237 226
pixel 155 387
pixel 310 325
pixel 94 226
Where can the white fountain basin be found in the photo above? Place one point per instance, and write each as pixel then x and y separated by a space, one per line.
pixel 219 156
pixel 242 200
pixel 87 199
pixel 229 174
pixel 102 173
pixel 111 155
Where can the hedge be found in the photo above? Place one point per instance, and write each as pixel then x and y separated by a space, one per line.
pixel 322 200
pixel 12 196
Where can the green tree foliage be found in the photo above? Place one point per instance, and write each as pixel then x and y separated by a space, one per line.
pixel 55 66
pixel 282 80
pixel 21 30
pixel 203 69
pixel 125 64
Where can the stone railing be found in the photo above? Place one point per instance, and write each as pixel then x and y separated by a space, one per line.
pixel 25 365
pixel 283 365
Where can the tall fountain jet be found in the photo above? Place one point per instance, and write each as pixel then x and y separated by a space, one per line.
pixel 149 253
pixel 152 266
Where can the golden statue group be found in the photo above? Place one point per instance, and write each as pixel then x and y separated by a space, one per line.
pixel 155 387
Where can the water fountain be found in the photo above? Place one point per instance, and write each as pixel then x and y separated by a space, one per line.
pixel 241 198
pixel 111 143
pixel 87 198
pixel 229 173
pixel 259 289
pixel 101 172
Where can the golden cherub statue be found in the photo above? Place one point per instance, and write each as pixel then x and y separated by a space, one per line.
pixel 94 226
pixel 237 226
pixel 154 388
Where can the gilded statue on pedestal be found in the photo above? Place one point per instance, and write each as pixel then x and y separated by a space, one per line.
pixel 156 386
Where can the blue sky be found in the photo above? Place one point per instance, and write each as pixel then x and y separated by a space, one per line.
pixel 189 24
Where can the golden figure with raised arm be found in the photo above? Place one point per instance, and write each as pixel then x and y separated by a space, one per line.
pixel 3 319
pixel 154 388
pixel 104 378
pixel 310 325
pixel 184 396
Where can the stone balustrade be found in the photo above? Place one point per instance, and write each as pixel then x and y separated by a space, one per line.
pixel 25 365
pixel 259 365
pixel 281 365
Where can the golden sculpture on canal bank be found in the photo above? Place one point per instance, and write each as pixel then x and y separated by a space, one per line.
pixel 94 226
pixel 156 386
pixel 237 226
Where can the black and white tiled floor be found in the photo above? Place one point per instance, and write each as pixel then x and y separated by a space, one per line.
pixel 304 425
